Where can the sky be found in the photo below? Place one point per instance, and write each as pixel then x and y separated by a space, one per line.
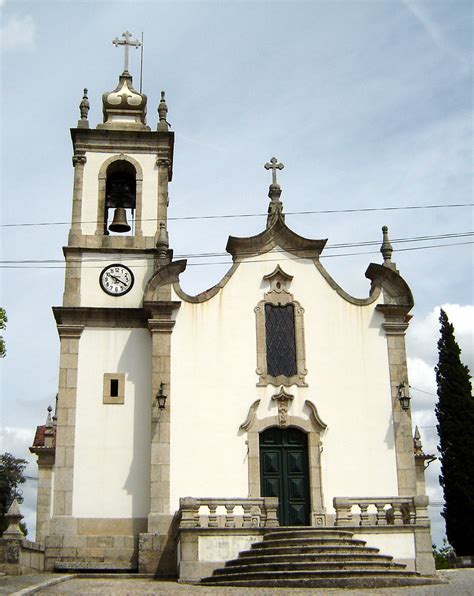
pixel 367 103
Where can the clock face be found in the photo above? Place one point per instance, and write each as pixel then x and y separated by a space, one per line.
pixel 116 279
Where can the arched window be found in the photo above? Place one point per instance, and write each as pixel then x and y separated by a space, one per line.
pixel 120 196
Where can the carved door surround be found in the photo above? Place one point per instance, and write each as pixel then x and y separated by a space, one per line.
pixel 313 426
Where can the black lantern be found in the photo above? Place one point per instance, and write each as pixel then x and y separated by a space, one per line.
pixel 404 396
pixel 161 397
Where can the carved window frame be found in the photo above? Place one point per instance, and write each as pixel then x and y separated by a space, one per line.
pixel 138 193
pixel 280 296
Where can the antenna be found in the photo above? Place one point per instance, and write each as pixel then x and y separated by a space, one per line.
pixel 141 64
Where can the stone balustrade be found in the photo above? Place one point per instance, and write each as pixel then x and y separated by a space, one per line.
pixel 381 511
pixel 228 513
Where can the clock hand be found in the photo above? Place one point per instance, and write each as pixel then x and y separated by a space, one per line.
pixel 118 279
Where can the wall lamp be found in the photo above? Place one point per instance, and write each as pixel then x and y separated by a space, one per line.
pixel 404 395
pixel 161 397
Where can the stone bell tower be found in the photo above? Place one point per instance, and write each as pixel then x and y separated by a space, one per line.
pixel 101 491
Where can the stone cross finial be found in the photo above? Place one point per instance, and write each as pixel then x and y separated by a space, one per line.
pixel 127 42
pixel 274 166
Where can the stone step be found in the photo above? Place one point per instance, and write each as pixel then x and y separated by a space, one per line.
pixel 264 558
pixel 308 574
pixel 368 581
pixel 307 533
pixel 310 549
pixel 315 566
pixel 307 542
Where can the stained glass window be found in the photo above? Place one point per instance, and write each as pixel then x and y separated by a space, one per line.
pixel 280 340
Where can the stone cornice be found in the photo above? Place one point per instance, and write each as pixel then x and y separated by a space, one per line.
pixel 69 329
pixel 278 234
pixel 83 316
pixel 77 251
pixel 131 141
pixel 161 325
pixel 162 310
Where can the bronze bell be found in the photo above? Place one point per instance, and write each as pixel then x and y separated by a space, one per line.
pixel 119 223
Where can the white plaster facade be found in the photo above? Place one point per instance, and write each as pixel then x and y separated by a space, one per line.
pixel 213 364
pixel 112 455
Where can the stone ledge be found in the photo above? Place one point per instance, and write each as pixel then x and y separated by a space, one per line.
pixel 94 565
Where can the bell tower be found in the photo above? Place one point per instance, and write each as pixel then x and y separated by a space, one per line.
pixel 110 368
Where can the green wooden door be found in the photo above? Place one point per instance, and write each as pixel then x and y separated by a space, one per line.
pixel 284 473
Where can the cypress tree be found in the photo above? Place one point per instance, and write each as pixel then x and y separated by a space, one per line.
pixel 455 413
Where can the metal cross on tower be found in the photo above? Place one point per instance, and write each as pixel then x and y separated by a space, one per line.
pixel 274 166
pixel 127 42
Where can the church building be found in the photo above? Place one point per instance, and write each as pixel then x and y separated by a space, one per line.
pixel 189 427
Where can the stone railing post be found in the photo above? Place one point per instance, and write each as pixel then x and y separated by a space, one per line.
pixel 271 508
pixel 189 510
pixel 343 506
pixel 420 504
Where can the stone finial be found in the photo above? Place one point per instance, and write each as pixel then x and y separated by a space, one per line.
pixel 84 108
pixel 13 517
pixel 162 243
pixel 417 446
pixel 275 208
pixel 49 429
pixel 163 124
pixel 387 249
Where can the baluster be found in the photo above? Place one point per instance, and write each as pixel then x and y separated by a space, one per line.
pixel 247 517
pixel 381 514
pixel 212 516
pixel 364 515
pixel 397 514
pixel 229 518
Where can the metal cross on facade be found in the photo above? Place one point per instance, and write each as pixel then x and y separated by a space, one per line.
pixel 274 166
pixel 127 42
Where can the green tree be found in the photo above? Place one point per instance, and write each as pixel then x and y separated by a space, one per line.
pixel 455 413
pixel 11 475
pixel 3 325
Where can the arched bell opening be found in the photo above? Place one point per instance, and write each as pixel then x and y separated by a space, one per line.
pixel 120 198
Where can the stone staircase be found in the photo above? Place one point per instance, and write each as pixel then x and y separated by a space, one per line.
pixel 306 557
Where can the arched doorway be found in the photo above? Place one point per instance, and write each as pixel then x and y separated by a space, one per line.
pixel 284 473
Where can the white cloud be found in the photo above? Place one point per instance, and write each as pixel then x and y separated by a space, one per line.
pixel 434 31
pixel 423 335
pixel 16 440
pixel 18 33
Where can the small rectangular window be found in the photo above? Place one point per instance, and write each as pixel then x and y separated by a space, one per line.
pixel 114 388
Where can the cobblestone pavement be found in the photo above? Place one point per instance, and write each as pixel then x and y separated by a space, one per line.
pixel 461 583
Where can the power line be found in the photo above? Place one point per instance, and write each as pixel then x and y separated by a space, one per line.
pixel 350 254
pixel 237 215
pixel 225 254
pixel 421 391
